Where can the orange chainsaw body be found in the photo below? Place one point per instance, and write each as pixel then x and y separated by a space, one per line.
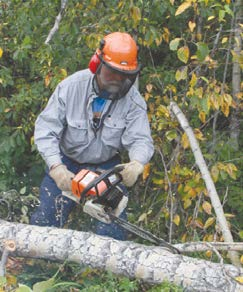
pixel 82 179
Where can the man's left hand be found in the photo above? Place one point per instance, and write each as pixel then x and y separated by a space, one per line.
pixel 131 172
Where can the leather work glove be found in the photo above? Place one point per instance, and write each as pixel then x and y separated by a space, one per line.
pixel 131 172
pixel 62 177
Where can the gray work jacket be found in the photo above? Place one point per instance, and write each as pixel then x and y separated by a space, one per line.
pixel 66 125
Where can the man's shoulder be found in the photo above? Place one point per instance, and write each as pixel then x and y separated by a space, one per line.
pixel 135 97
pixel 77 77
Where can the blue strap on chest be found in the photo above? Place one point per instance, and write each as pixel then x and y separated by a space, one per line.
pixel 98 105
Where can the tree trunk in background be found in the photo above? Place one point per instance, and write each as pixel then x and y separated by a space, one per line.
pixel 212 192
pixel 149 263
pixel 236 76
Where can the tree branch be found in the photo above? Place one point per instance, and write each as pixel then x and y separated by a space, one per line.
pixel 57 22
pixel 206 177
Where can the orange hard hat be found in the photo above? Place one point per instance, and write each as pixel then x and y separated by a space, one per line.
pixel 119 51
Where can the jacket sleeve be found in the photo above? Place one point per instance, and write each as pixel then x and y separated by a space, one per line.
pixel 49 127
pixel 137 138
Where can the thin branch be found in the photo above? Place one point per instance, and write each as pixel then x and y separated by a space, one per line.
pixel 204 246
pixel 9 246
pixel 170 196
pixel 57 22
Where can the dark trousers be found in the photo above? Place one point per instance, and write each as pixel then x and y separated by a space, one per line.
pixel 54 208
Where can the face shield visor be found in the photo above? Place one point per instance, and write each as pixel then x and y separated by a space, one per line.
pixel 112 83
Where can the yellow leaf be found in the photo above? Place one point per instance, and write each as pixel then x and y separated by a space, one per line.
pixel 193 80
pixel 181 73
pixel 177 219
pixel 224 40
pixel 198 223
pixel 225 109
pixel 142 217
pixel 199 134
pixel 227 215
pixel 136 13
pixel 183 7
pixel 146 171
pixel 166 34
pixel 227 98
pixel 202 117
pixel 11 280
pixel 239 279
pixel 211 17
pixel 183 54
pixel 231 169
pixel 183 238
pixel 209 222
pixel 63 72
pixel 47 79
pixel 215 173
pixel 207 207
pixel 184 141
pixel 187 203
pixel 208 253
pixel 191 25
pixel 149 87
pixel 241 259
pixel 1 52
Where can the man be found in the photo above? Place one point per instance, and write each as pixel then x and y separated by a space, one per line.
pixel 92 116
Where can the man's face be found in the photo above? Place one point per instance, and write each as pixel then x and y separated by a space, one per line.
pixel 110 80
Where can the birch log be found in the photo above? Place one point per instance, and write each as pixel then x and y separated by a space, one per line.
pixel 207 179
pixel 148 263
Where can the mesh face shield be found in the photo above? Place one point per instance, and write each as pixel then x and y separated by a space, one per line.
pixel 113 84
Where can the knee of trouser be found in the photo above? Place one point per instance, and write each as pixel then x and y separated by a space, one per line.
pixel 111 230
pixel 40 218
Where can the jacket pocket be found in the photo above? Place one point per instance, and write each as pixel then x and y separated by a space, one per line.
pixel 76 132
pixel 112 132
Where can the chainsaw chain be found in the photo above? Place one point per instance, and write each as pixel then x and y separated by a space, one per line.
pixel 143 233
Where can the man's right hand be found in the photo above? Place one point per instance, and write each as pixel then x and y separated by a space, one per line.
pixel 62 177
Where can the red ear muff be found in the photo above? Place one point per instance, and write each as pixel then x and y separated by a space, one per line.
pixel 94 63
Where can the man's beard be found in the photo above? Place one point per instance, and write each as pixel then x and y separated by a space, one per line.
pixel 113 87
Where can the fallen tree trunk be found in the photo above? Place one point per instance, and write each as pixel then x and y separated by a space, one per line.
pixel 148 263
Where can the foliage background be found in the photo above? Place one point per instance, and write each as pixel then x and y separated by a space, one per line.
pixel 188 52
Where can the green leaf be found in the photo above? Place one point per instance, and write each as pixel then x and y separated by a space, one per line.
pixel 22 191
pixel 202 51
pixel 181 73
pixel 174 44
pixel 241 234
pixel 42 286
pixel 3 281
pixel 171 135
pixel 221 15
pixel 23 288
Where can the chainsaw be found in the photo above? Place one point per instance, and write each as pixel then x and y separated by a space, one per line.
pixel 103 198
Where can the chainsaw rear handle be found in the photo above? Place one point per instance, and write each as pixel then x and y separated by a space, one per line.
pixel 105 178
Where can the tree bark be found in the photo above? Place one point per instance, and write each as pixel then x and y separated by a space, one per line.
pixel 236 76
pixel 148 263
pixel 207 179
